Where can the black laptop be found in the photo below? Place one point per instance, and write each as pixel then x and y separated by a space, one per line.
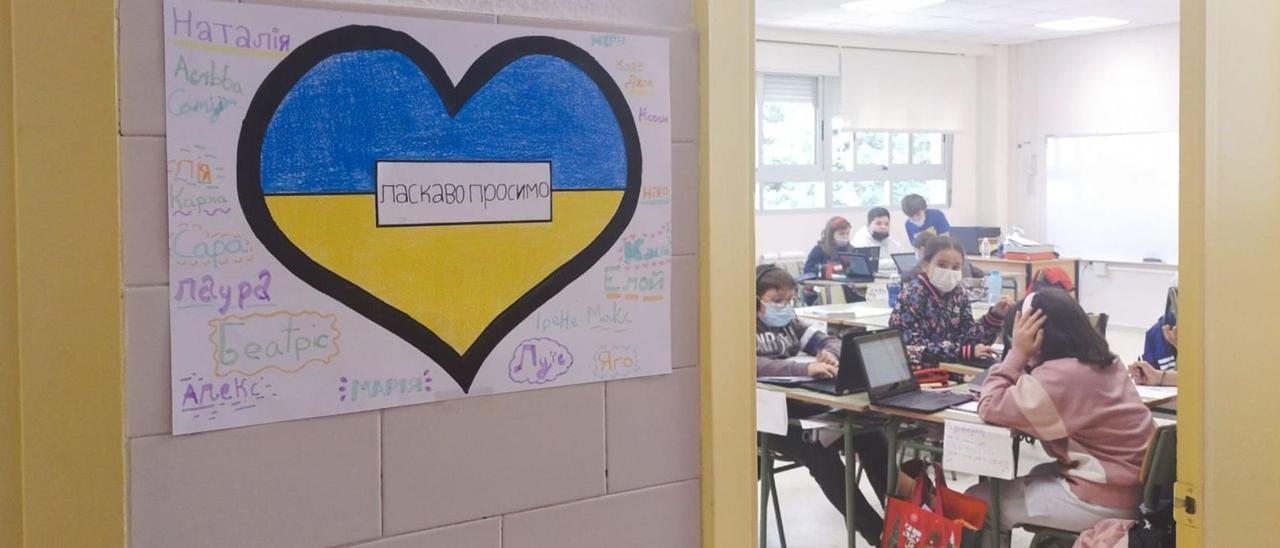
pixel 849 379
pixel 889 379
pixel 905 262
pixel 859 268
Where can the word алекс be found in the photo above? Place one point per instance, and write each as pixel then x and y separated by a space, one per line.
pixel 285 341
pixel 210 292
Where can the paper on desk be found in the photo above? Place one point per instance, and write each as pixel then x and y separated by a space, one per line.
pixel 1149 393
pixel 771 412
pixel 968 407
pixel 980 449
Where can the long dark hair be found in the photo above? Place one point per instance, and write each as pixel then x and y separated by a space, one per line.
pixel 1067 330
pixel 828 241
pixel 940 244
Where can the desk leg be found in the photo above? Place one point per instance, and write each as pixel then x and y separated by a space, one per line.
pixel 993 514
pixel 891 435
pixel 850 482
pixel 765 488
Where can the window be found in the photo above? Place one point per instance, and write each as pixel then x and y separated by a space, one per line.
pixel 808 159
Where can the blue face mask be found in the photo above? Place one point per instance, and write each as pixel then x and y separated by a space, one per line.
pixel 778 315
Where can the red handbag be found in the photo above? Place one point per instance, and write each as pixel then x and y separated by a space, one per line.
pixel 910 524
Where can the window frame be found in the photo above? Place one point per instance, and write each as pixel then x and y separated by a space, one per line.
pixel 825 173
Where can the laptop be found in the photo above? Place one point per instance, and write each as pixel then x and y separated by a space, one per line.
pixel 889 379
pixel 906 262
pixel 849 378
pixel 859 268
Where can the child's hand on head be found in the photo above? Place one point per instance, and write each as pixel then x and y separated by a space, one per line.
pixel 1028 333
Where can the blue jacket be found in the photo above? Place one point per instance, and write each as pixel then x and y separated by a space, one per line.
pixel 817 259
pixel 933 219
pixel 1157 351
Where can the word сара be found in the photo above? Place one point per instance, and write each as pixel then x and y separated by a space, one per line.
pixel 209 292
pixel 192 246
pixel 285 341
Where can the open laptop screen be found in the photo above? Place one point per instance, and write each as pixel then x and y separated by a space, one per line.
pixel 884 358
pixel 905 262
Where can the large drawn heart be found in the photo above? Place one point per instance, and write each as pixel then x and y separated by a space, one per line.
pixel 358 95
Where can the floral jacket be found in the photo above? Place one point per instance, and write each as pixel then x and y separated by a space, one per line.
pixel 939 327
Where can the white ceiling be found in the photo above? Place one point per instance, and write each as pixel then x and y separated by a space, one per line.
pixel 969 21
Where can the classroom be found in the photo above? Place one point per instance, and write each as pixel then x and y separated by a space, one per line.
pixel 474 273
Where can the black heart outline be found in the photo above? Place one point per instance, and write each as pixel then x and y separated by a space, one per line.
pixel 463 368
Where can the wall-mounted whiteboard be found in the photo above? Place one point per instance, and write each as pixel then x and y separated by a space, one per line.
pixel 1113 197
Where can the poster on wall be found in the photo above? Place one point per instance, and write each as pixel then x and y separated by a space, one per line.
pixel 370 211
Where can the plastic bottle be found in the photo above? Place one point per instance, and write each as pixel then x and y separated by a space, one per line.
pixel 985 248
pixel 894 289
pixel 995 285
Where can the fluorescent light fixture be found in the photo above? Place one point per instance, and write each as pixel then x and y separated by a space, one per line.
pixel 1082 23
pixel 889 6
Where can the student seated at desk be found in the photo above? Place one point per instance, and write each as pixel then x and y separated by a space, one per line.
pixel 1061 384
pixel 780 337
pixel 920 218
pixel 1159 362
pixel 934 314
pixel 876 234
pixel 1144 373
pixel 834 240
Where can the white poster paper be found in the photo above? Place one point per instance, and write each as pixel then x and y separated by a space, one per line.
pixel 980 449
pixel 370 211
pixel 771 412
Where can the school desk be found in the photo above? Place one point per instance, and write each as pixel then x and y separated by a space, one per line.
pixel 1026 270
pixel 864 316
pixel 857 408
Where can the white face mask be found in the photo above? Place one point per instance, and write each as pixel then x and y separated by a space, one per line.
pixel 842 241
pixel 945 280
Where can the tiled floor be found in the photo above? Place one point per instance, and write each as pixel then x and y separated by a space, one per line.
pixel 811 522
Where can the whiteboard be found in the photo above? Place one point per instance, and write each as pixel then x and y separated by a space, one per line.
pixel 1113 197
pixel 370 211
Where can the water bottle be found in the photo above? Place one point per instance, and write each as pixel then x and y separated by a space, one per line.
pixel 895 289
pixel 995 285
pixel 985 248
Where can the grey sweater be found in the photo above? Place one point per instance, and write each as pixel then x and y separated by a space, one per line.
pixel 776 346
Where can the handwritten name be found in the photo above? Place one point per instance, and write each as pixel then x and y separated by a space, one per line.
pixel 240 36
pixel 191 245
pixel 284 341
pixel 205 202
pixel 539 361
pixel 207 291
pixel 212 106
pixel 615 362
pixel 212 78
pixel 353 389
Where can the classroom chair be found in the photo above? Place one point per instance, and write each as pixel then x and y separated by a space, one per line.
pixel 1159 471
pixel 1099 322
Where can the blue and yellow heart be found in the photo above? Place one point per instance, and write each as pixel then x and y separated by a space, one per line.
pixel 354 96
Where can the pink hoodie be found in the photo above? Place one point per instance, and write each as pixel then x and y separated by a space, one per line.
pixel 1088 418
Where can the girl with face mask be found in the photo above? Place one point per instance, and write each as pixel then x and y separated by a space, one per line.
pixel 934 314
pixel 834 240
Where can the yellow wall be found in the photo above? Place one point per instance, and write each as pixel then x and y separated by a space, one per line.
pixel 10 449
pixel 68 275
pixel 727 311
pixel 1231 226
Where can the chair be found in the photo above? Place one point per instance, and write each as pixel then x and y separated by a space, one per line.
pixel 1159 471
pixel 1099 322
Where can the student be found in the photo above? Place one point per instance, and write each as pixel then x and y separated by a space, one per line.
pixel 780 337
pixel 1061 384
pixel 834 240
pixel 876 234
pixel 934 314
pixel 922 240
pixel 1166 374
pixel 922 219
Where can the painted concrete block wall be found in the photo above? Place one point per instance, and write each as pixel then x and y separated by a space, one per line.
pixel 611 464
